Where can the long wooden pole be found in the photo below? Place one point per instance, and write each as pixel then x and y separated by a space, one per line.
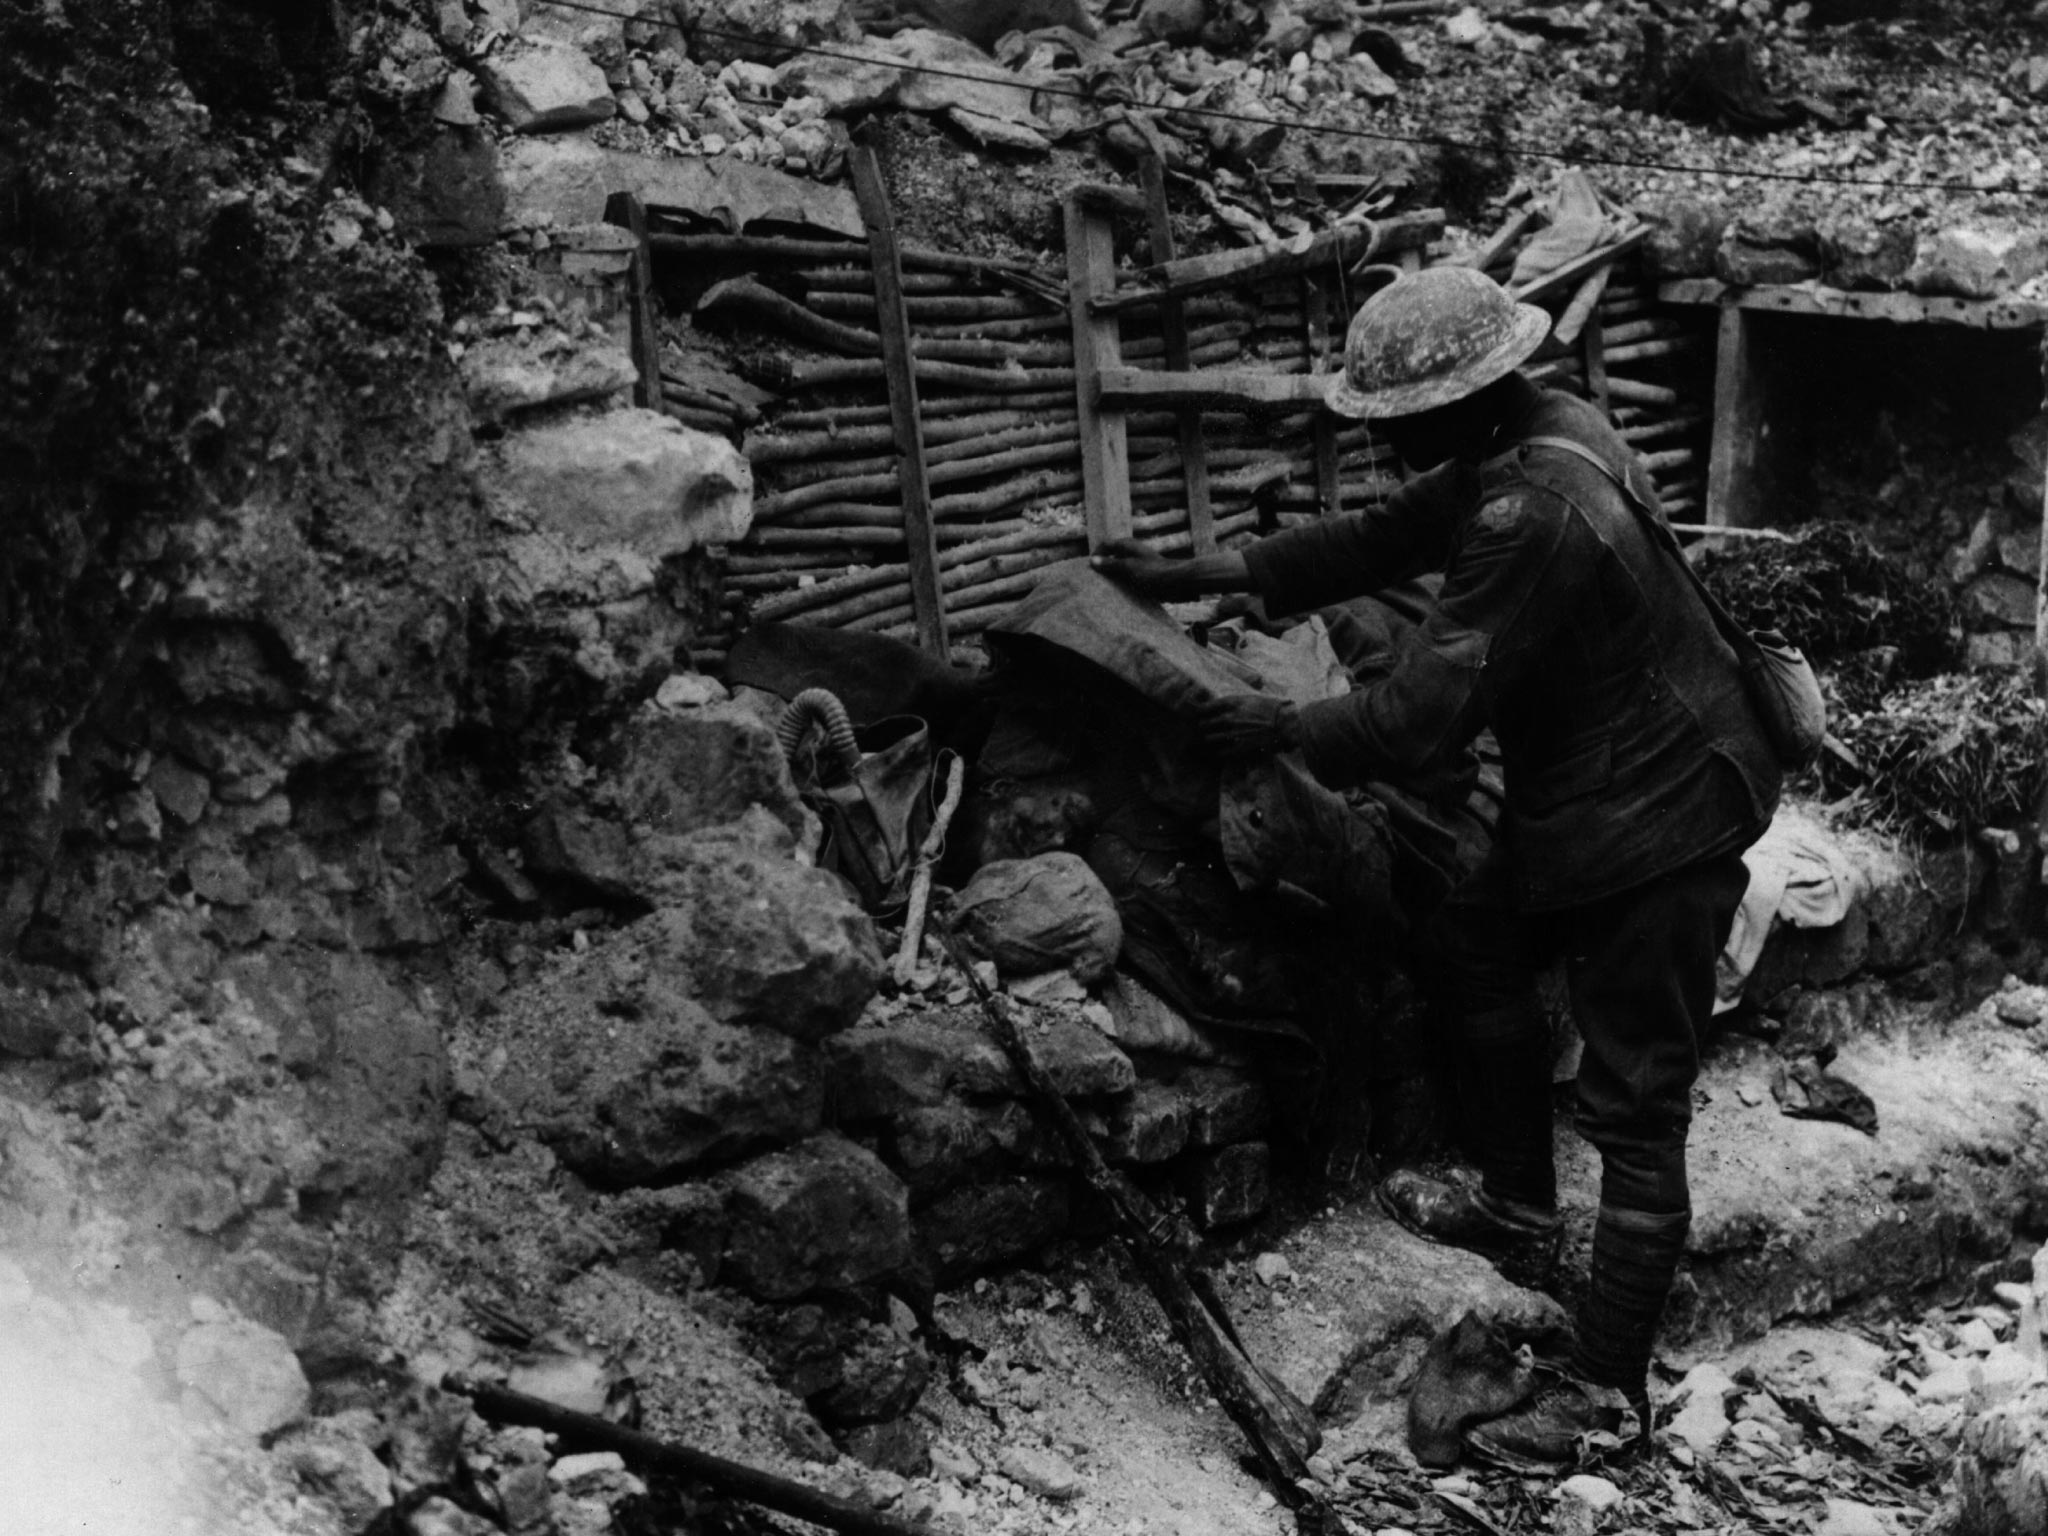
pixel 501 1405
pixel 1173 325
pixel 893 322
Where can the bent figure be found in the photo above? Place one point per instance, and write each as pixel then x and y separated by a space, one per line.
pixel 1637 772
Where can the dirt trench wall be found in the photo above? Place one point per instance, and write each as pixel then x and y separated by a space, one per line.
pixel 275 652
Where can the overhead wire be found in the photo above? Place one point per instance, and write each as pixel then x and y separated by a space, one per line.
pixel 1489 145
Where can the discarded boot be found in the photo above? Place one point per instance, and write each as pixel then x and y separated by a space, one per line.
pixel 1522 1243
pixel 1545 1435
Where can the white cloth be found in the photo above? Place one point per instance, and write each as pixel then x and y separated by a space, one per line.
pixel 1801 873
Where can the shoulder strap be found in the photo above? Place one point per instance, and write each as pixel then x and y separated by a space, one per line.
pixel 1660 531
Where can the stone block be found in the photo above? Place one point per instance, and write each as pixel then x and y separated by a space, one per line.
pixel 1998 650
pixel 943 1145
pixel 882 1071
pixel 1149 1126
pixel 332 1459
pixel 505 375
pixel 686 770
pixel 181 792
pixel 1911 917
pixel 1766 251
pixel 630 478
pixel 762 940
pixel 35 1022
pixel 902 1446
pixel 1684 238
pixel 881 1377
pixel 981 1226
pixel 546 88
pixel 246 1372
pixel 1231 1184
pixel 566 179
pixel 1979 263
pixel 824 1215
pixel 887 1071
pixel 1082 1062
pixel 2019 551
pixel 590 853
pixel 1224 1105
pixel 1999 600
pixel 631 1083
pixel 1876 257
pixel 444 190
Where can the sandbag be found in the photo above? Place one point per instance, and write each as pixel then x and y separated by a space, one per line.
pixel 1041 914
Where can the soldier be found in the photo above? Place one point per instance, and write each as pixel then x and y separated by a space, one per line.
pixel 1637 772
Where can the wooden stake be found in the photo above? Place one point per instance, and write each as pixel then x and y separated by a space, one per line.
pixel 1173 325
pixel 624 210
pixel 1091 273
pixel 893 321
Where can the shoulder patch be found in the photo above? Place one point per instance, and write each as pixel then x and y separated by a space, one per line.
pixel 1503 510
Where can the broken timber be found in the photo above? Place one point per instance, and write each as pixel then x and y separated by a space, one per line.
pixel 921 544
pixel 1345 246
pixel 735 1479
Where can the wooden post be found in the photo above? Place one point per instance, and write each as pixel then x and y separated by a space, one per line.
pixel 1173 326
pixel 1738 424
pixel 927 601
pixel 624 210
pixel 1315 307
pixel 1105 465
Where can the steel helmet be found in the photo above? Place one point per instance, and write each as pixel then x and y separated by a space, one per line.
pixel 1430 337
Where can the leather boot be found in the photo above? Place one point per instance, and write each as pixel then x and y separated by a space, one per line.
pixel 1522 1241
pixel 1545 1435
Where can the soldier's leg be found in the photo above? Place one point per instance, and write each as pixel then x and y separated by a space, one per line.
pixel 1489 959
pixel 1641 970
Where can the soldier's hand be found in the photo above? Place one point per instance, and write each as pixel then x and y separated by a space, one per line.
pixel 1131 564
pixel 1248 725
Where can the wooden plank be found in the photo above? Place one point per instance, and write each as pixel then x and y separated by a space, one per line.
pixel 1105 466
pixel 1347 245
pixel 1496 249
pixel 1173 325
pixel 1220 388
pixel 928 602
pixel 1731 459
pixel 1898 308
pixel 1316 322
pixel 624 210
pixel 1572 273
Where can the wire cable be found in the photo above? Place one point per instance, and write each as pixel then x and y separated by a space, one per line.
pixel 1336 130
